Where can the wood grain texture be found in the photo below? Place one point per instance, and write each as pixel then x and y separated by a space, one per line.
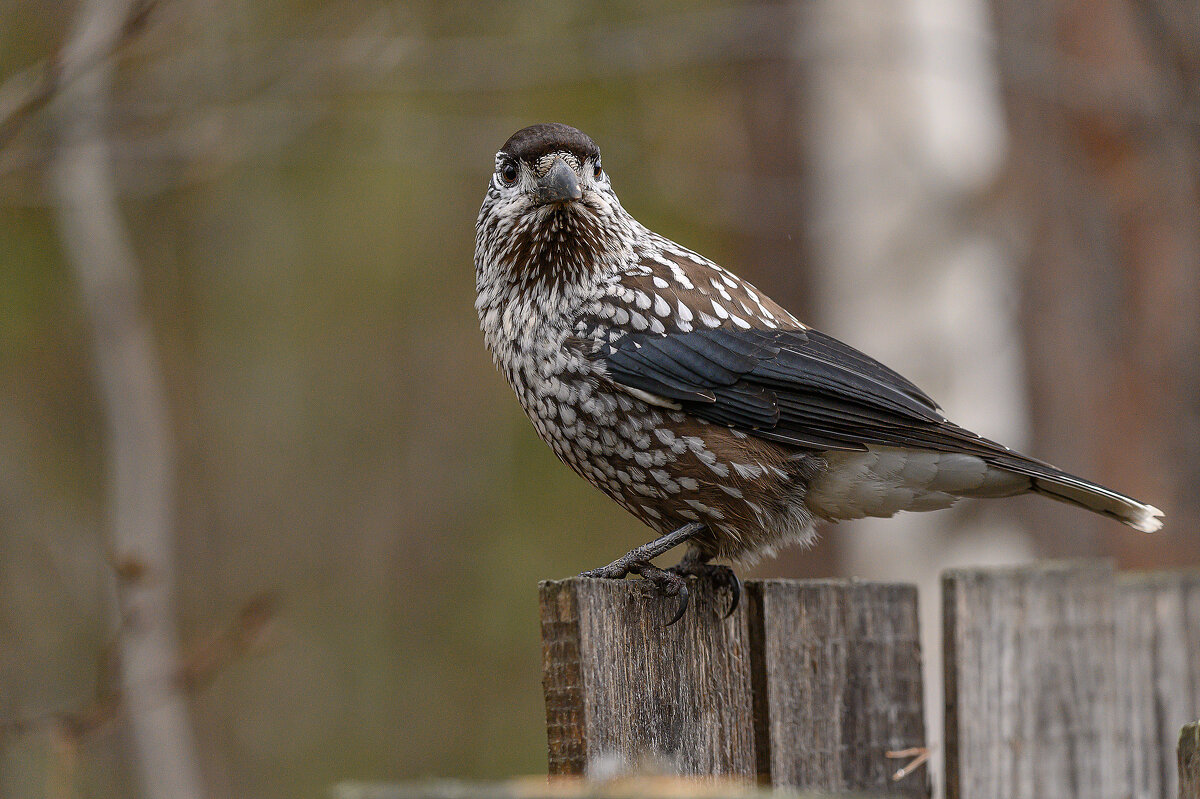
pixel 841 665
pixel 565 788
pixel 624 693
pixel 1158 659
pixel 1033 708
pixel 1188 761
pixel 807 686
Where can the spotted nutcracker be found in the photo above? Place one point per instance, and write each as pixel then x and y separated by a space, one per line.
pixel 691 398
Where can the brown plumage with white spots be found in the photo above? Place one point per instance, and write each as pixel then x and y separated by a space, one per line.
pixel 691 398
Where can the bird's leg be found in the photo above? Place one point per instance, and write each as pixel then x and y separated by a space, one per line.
pixel 695 564
pixel 634 558
pixel 638 560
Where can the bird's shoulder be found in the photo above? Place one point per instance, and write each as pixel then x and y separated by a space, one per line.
pixel 669 289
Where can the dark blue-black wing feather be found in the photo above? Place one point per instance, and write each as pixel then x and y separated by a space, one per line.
pixel 798 387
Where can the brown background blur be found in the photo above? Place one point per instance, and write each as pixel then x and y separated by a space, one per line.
pixel 999 199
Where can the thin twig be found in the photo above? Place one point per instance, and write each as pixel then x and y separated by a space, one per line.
pixel 919 755
pixel 32 89
pixel 243 635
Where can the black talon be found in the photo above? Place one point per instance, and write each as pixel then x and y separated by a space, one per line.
pixel 683 603
pixel 735 588
pixel 610 572
pixel 695 564
pixel 667 583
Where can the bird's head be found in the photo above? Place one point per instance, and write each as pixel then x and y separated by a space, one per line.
pixel 550 213
pixel 548 165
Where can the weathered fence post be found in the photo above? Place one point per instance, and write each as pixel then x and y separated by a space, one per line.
pixel 808 685
pixel 622 687
pixel 1188 757
pixel 840 665
pixel 1033 707
pixel 1158 661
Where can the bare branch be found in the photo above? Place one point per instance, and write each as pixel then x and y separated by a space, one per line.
pixel 243 635
pixel 31 89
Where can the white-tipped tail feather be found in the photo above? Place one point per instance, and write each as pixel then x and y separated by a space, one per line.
pixel 1098 499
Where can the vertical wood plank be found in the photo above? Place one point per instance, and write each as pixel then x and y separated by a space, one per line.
pixel 1032 703
pixel 624 692
pixel 1188 759
pixel 1158 658
pixel 842 675
pixel 562 679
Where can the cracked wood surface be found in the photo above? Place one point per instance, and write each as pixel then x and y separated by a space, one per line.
pixel 807 686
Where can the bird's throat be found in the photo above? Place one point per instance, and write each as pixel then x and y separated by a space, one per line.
pixel 557 244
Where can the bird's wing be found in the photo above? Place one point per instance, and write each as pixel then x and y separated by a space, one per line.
pixel 795 386
pixel 723 351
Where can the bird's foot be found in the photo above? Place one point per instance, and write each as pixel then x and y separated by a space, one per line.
pixel 638 562
pixel 665 582
pixel 721 576
pixel 617 570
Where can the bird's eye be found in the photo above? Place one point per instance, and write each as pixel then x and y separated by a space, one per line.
pixel 509 172
pixel 597 171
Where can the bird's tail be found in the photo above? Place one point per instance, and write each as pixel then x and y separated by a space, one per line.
pixel 883 480
pixel 1099 499
pixel 1057 484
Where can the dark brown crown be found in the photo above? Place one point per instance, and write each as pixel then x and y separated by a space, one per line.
pixel 531 143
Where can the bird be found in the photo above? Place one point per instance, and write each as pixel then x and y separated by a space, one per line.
pixel 696 402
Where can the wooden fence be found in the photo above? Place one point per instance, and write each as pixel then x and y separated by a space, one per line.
pixel 1062 680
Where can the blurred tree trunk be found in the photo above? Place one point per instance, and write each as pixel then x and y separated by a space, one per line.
pixel 779 245
pixel 903 131
pixel 1101 100
pixel 130 384
pixel 775 92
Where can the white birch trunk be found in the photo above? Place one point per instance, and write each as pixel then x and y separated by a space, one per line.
pixel 907 128
pixel 140 491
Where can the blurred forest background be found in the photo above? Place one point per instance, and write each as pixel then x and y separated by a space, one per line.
pixel 245 408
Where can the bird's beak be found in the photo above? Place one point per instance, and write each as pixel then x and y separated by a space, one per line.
pixel 559 185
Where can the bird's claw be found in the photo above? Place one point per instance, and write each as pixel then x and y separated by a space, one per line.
pixel 683 603
pixel 664 581
pixel 722 576
pixel 673 581
pixel 667 583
